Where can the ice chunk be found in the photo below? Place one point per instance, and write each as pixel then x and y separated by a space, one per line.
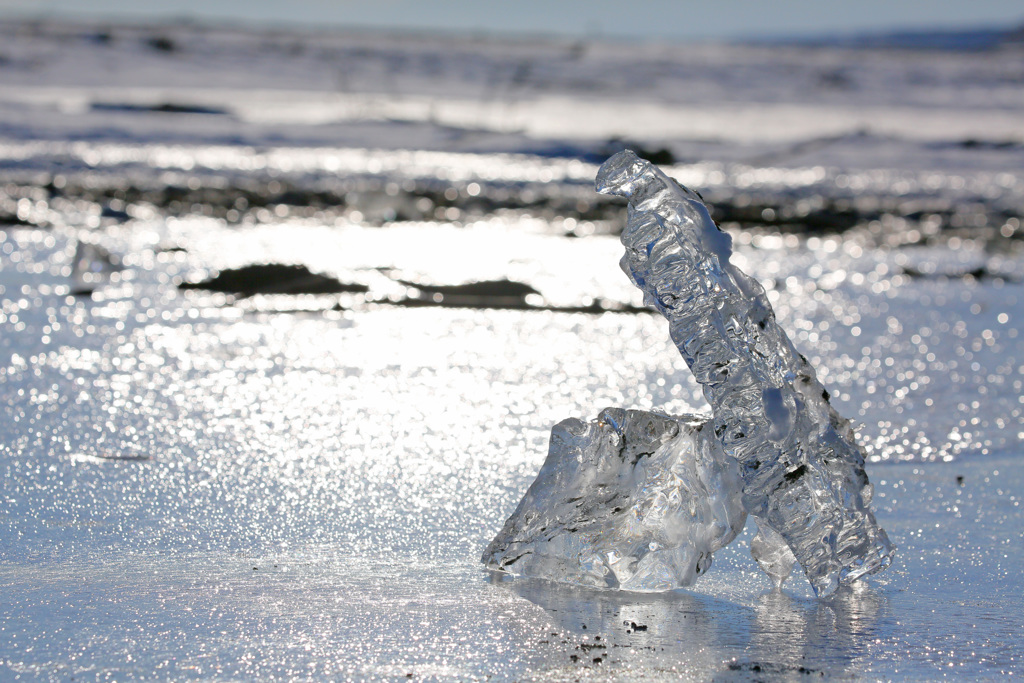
pixel 803 473
pixel 632 500
pixel 92 267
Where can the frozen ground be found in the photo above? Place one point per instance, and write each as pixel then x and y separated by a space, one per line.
pixel 199 486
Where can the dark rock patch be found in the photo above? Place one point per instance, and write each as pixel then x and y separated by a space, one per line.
pixel 273 278
pixel 759 671
pixel 596 308
pixel 662 156
pixel 119 215
pixel 597 154
pixel 13 220
pixel 497 295
pixel 161 44
pixel 973 275
pixel 163 108
pixel 973 143
pixel 832 216
pixel 484 294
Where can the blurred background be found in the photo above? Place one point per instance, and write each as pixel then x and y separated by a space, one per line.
pixel 291 295
pixel 653 19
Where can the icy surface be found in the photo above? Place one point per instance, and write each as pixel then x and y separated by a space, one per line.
pixel 803 472
pixel 632 500
pixel 371 454
pixel 197 491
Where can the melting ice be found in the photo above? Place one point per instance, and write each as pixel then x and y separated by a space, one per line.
pixel 639 501
pixel 632 500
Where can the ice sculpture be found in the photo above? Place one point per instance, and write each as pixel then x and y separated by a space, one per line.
pixel 633 500
pixel 639 501
pixel 803 473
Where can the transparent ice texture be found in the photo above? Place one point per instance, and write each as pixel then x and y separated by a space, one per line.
pixel 772 553
pixel 803 473
pixel 632 500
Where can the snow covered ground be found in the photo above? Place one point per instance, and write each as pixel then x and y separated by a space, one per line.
pixel 194 485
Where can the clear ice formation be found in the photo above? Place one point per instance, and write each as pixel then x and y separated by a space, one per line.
pixel 803 473
pixel 640 501
pixel 632 500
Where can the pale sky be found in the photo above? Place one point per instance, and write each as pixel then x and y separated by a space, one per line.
pixel 710 19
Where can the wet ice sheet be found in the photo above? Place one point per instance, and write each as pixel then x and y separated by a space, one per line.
pixel 154 448
pixel 156 451
pixel 929 367
pixel 144 589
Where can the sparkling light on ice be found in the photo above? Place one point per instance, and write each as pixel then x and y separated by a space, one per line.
pixel 610 506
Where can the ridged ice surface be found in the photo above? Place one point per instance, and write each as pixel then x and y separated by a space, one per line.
pixel 632 500
pixel 802 470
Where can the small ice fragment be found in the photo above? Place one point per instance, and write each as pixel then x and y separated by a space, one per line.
pixel 632 500
pixel 803 473
pixel 91 268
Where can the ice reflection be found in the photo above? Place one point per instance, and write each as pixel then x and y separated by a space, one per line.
pixel 628 630
pixel 793 636
pixel 682 632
